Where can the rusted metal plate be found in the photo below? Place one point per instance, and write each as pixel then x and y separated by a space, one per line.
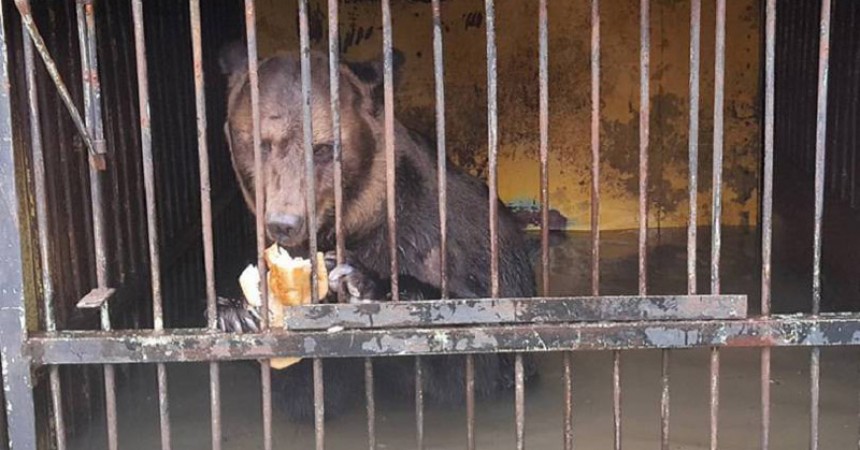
pixel 511 311
pixel 96 298
pixel 186 345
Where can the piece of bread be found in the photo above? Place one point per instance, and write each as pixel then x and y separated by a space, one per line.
pixel 289 283
pixel 290 278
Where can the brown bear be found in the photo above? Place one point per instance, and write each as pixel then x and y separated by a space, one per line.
pixel 366 272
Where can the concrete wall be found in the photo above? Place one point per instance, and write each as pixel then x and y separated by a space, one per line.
pixel 569 88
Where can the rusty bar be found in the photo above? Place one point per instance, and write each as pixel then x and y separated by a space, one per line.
pixel 319 404
pixel 39 183
pixel 93 116
pixel 151 225
pixel 85 15
pixel 616 399
pixel 820 150
pixel 767 211
pixel 310 207
pixel 814 396
pixel 470 402
pixel 568 400
pixel 543 61
pixel 717 189
pixel 516 311
pixel 203 159
pixel 337 139
pixel 163 406
pixel 693 141
pixel 371 403
pixel 492 145
pixel 19 409
pixel 191 345
pixel 260 211
pixel 266 388
pixel 259 182
pixel 308 143
pixel 419 404
pixel 206 214
pixel 820 157
pixel 96 153
pixel 442 174
pixel 595 147
pixel 441 155
pixel 664 399
pixel 390 154
pixel 644 133
pixel 520 394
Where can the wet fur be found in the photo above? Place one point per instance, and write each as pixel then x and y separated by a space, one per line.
pixel 364 214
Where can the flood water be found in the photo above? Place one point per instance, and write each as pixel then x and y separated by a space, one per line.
pixel 570 275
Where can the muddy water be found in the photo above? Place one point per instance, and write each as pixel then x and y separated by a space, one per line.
pixel 445 429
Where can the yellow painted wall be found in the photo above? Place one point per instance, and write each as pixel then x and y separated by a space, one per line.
pixel 569 88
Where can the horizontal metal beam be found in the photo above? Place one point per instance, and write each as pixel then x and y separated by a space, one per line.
pixel 187 345
pixel 516 311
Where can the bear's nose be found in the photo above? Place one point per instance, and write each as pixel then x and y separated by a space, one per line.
pixel 284 227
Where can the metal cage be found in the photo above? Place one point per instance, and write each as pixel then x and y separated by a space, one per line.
pixel 124 225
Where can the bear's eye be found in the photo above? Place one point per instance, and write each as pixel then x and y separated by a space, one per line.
pixel 319 148
pixel 323 152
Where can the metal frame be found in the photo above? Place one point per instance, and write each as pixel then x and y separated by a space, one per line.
pixel 416 328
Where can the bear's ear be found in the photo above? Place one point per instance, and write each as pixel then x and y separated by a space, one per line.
pixel 373 72
pixel 233 58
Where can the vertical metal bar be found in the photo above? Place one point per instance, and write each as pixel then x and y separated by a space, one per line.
pixel 43 224
pixel 470 402
pixel 419 404
pixel 260 211
pixel 767 210
pixel 206 213
pixel 340 238
pixel 390 155
pixel 441 156
pixel 93 118
pixel 595 147
pixel 717 187
pixel 442 186
pixel 692 226
pixel 520 401
pixel 492 181
pixel 319 404
pixel 371 403
pixel 568 400
pixel 664 400
pixel 644 134
pixel 492 145
pixel 310 207
pixel 543 60
pixel 17 385
pixel 595 197
pixel 543 81
pixel 616 399
pixel 820 155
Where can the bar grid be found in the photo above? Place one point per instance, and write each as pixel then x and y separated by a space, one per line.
pixel 769 331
